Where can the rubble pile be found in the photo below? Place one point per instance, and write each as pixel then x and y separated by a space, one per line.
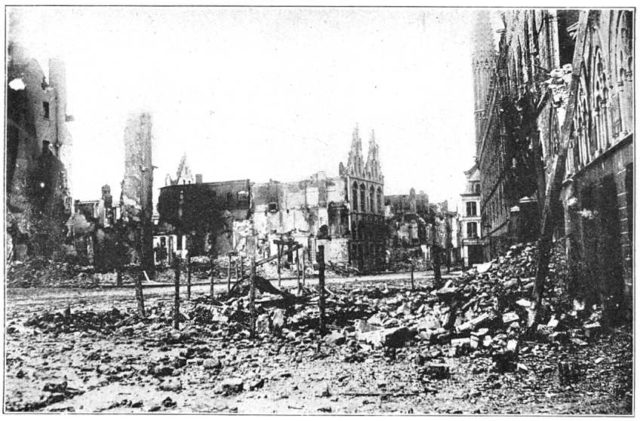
pixel 37 273
pixel 472 331
pixel 81 320
pixel 45 273
pixel 486 311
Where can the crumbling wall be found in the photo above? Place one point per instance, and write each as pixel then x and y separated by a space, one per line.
pixel 137 189
pixel 38 202
pixel 307 209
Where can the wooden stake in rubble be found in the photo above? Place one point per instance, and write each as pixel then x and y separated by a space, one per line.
pixel 304 269
pixel 139 296
pixel 252 297
pixel 552 197
pixel 413 287
pixel 298 270
pixel 176 297
pixel 320 258
pixel 229 276
pixel 212 267
pixel 189 275
pixel 279 257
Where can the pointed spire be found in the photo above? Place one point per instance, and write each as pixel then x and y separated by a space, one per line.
pixel 373 164
pixel 183 174
pixel 354 163
pixel 356 143
pixel 373 149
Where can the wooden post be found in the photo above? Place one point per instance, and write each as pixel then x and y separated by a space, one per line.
pixel 139 296
pixel 298 271
pixel 241 267
pixel 279 256
pixel 229 276
pixel 212 265
pixel 552 196
pixel 189 275
pixel 176 298
pixel 413 286
pixel 119 276
pixel 304 269
pixel 252 297
pixel 320 258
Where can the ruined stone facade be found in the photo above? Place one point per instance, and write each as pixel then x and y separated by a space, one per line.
pixel 308 210
pixel 365 195
pixel 521 139
pixel 598 188
pixel 38 154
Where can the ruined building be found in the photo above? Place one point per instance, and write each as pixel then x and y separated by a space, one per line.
pixel 527 101
pixel 208 215
pixel 92 231
pixel 38 155
pixel 344 213
pixel 406 217
pixel 598 189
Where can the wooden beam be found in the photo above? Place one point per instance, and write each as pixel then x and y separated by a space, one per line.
pixel 229 276
pixel 252 297
pixel 554 186
pixel 176 296
pixel 279 259
pixel 321 289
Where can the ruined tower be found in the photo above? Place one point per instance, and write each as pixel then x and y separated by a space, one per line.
pixel 484 62
pixel 63 143
pixel 137 186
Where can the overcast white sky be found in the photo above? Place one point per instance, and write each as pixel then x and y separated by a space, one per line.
pixel 266 93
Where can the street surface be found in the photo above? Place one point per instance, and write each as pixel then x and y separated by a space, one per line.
pixel 82 356
pixel 57 299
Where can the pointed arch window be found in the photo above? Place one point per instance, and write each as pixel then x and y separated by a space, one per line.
pixel 354 196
